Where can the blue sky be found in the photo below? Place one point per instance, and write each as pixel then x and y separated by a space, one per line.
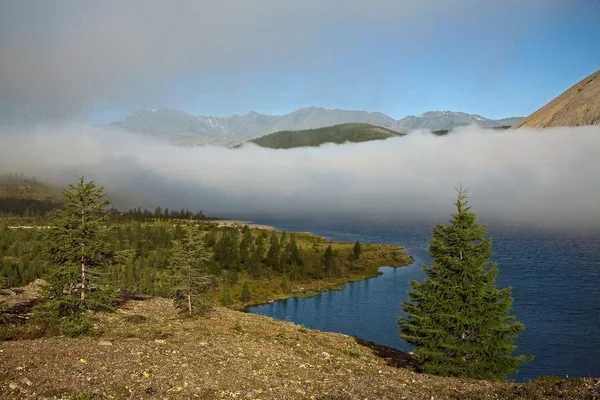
pixel 543 54
pixel 497 59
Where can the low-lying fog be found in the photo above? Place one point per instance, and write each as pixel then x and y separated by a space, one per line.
pixel 546 178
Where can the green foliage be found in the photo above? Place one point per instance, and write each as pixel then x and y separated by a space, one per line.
pixel 356 250
pixel 26 196
pixel 351 351
pixel 226 299
pixel 237 327
pixel 329 260
pixel 257 258
pixel 273 254
pixel 3 307
pixel 191 285
pixel 352 132
pixel 285 284
pixel 76 326
pixel 245 296
pixel 246 246
pixel 227 250
pixel 78 255
pixel 457 319
pixel 233 277
pixel 302 329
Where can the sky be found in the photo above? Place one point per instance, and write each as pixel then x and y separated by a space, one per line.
pixel 83 60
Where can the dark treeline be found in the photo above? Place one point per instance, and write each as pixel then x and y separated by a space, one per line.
pixel 139 214
pixel 29 208
pixel 23 196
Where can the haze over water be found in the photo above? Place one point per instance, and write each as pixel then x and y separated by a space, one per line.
pixel 555 280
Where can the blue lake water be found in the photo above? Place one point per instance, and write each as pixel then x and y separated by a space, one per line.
pixel 555 280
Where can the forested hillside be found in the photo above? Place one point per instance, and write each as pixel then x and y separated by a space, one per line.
pixel 26 196
pixel 332 134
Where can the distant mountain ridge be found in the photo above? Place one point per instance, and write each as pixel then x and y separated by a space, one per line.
pixel 179 126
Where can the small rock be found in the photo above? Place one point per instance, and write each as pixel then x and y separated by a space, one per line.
pixel 26 381
pixel 13 386
pixel 104 343
pixel 202 344
pixel 249 394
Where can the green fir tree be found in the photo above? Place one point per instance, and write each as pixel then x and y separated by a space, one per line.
pixel 245 296
pixel 328 260
pixel 246 246
pixel 273 254
pixel 226 299
pixel 78 254
pixel 356 250
pixel 191 284
pixel 457 319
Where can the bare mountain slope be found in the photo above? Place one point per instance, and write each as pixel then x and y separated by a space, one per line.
pixel 578 105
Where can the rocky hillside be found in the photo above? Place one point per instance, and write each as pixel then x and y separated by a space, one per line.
pixel 579 105
pixel 146 350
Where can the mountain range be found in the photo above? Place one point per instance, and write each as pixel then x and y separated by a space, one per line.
pixel 179 126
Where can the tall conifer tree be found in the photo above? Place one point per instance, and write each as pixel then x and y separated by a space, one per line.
pixel 79 254
pixel 191 288
pixel 457 319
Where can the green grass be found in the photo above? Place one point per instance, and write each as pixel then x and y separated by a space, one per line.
pixel 351 351
pixel 332 134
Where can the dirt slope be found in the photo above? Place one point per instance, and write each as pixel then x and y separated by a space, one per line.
pixel 577 106
pixel 147 351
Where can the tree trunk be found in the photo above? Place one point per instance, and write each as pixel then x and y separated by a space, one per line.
pixel 83 278
pixel 189 296
pixel 83 267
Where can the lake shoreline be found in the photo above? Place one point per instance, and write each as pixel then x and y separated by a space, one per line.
pixel 315 287
pixel 314 293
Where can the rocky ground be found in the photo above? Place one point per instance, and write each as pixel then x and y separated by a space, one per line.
pixel 148 351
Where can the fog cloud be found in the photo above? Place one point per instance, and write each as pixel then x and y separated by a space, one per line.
pixel 547 178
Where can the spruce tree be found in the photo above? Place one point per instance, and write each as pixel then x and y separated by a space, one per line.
pixel 254 269
pixel 246 246
pixel 226 296
pixel 79 255
pixel 274 252
pixel 329 260
pixel 191 284
pixel 245 295
pixel 356 250
pixel 457 319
